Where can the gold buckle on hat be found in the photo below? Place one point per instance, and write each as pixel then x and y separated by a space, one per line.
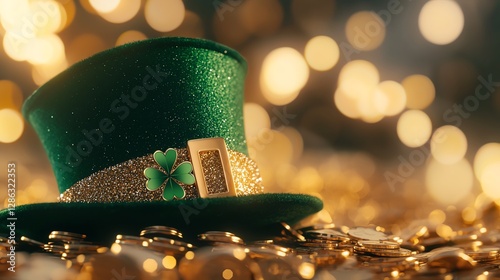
pixel 211 167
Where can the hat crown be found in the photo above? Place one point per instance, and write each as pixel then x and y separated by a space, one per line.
pixel 132 100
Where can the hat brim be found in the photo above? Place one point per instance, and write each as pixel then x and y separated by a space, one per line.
pixel 251 217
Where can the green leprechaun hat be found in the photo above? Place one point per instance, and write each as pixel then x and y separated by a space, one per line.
pixel 151 133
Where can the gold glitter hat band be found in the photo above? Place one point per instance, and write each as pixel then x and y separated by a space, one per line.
pixel 205 169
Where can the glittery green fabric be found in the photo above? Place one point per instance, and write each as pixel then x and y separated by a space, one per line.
pixel 132 100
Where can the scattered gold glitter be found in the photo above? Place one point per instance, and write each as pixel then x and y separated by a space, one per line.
pixel 126 182
pixel 213 172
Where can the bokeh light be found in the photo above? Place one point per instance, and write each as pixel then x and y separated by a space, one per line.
pixel 256 120
pixel 367 106
pixel 441 21
pixel 130 36
pixel 284 73
pixel 322 53
pixel 15 47
pixel 11 125
pixel 346 104
pixel 105 6
pixel 448 144
pixel 44 72
pixel 449 184
pixel 11 95
pixel 46 50
pixel 169 262
pixel 365 30
pixel 150 265
pixel 390 98
pixel 490 180
pixel 358 76
pixel 124 12
pixel 420 91
pixel 487 155
pixel 164 15
pixel 414 128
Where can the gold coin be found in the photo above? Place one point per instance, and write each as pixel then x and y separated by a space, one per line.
pixel 484 253
pixel 316 226
pixel 327 234
pixel 62 234
pixel 384 252
pixel 220 237
pixel 379 244
pixel 152 231
pixel 131 240
pixel 364 233
pixel 289 231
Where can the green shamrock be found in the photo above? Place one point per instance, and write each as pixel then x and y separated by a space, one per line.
pixel 172 177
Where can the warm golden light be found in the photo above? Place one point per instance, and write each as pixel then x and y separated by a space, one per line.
pixel 11 95
pixel 164 15
pixel 367 107
pixel 420 91
pixel 322 53
pixel 44 72
pixel 296 139
pixel 169 262
pixel 11 125
pixel 441 21
pixel 12 12
pixel 16 48
pixel 365 30
pixel 449 184
pixel 130 36
pixel 358 73
pixel 272 148
pixel 414 128
pixel 105 6
pixel 284 73
pixel 125 11
pixel 448 144
pixel 306 270
pixel 256 120
pixel 487 155
pixel 227 274
pixel 390 98
pixel 150 265
pixel 46 50
pixel 116 248
pixel 490 180
pixel 346 103
pixel 469 215
pixel 239 253
pixel 189 255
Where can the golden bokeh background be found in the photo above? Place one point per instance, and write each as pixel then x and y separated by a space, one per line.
pixel 387 110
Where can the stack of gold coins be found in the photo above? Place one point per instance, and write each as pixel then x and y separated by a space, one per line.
pixel 131 240
pixel 67 244
pixel 484 254
pixel 219 238
pixel 163 239
pixel 381 248
pixel 161 231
